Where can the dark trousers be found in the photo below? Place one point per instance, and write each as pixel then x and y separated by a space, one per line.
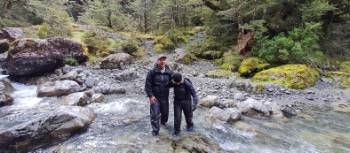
pixel 159 113
pixel 186 107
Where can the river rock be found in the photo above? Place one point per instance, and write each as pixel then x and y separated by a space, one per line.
pixel 72 75
pixel 97 98
pixel 58 88
pixel 289 111
pixel 77 99
pixel 252 107
pixel 341 106
pixel 209 101
pixel 56 126
pixel 5 100
pixel 109 89
pixel 127 75
pixel 5 86
pixel 117 61
pixel 4 45
pixel 38 56
pixel 11 33
pixel 225 115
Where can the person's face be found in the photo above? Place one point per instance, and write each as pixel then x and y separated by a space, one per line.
pixel 162 62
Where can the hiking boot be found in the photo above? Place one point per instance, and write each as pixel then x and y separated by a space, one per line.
pixel 190 129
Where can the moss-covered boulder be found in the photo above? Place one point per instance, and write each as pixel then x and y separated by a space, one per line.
pixel 230 61
pixel 252 65
pixel 219 73
pixel 296 76
pixel 342 76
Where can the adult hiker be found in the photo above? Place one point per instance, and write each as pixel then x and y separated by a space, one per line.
pixel 185 99
pixel 157 86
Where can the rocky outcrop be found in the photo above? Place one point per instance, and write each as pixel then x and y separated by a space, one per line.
pixel 58 125
pixel 58 88
pixel 117 61
pixel 37 56
pixel 11 33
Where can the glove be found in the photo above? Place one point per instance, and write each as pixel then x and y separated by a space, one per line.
pixel 194 107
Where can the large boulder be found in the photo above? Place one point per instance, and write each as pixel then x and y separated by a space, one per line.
pixel 117 61
pixel 4 45
pixel 37 56
pixel 58 88
pixel 251 65
pixel 56 126
pixel 341 77
pixel 296 76
pixel 11 33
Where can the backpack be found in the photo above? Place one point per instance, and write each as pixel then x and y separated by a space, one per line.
pixel 186 87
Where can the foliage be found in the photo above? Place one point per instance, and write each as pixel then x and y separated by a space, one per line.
pixel 43 30
pixel 97 43
pixel 301 45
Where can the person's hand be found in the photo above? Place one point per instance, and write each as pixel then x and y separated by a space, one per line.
pixel 152 100
pixel 194 107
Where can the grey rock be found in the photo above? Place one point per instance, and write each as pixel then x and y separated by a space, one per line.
pixel 117 61
pixel 58 88
pixel 209 101
pixel 5 100
pixel 11 33
pixel 108 89
pixel 76 99
pixel 57 126
pixel 127 75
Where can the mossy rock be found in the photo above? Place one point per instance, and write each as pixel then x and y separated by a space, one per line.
pixel 188 58
pixel 341 77
pixel 219 73
pixel 252 65
pixel 296 76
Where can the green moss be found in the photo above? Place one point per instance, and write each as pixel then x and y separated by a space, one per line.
pixel 341 77
pixel 219 73
pixel 251 65
pixel 163 43
pixel 345 66
pixel 206 49
pixel 296 76
pixel 71 61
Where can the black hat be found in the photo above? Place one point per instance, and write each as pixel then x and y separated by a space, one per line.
pixel 177 77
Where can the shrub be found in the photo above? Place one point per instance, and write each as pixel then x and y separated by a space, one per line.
pixel 43 31
pixel 97 43
pixel 301 45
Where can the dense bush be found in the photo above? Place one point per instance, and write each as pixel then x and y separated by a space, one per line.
pixel 301 45
pixel 97 43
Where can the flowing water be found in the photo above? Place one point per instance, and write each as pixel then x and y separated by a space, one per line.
pixel 122 125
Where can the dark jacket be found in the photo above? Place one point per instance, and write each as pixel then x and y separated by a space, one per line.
pixel 185 91
pixel 158 83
